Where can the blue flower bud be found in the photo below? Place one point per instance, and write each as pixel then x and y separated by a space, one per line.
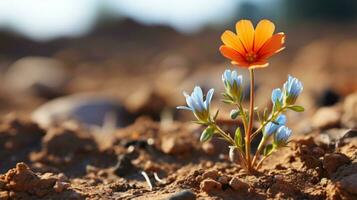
pixel 233 85
pixel 292 89
pixel 197 105
pixel 271 127
pixel 277 96
pixel 282 135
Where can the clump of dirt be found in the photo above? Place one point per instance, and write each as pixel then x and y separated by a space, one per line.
pixel 22 183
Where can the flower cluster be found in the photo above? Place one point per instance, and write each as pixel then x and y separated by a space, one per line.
pixel 249 48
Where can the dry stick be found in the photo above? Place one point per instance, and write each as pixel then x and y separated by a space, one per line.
pixel 251 115
pixel 147 179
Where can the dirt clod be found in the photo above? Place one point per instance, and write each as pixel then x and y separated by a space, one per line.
pixel 237 184
pixel 332 162
pixel 209 185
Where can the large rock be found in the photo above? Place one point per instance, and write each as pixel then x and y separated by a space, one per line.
pixel 89 109
pixel 326 117
pixel 45 77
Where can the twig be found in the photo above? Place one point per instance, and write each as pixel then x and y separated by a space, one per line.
pixel 147 179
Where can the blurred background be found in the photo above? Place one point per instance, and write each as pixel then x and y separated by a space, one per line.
pixel 111 61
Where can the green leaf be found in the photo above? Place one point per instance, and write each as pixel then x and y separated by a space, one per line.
pixel 265 114
pixel 234 113
pixel 297 108
pixel 216 115
pixel 227 101
pixel 269 149
pixel 238 137
pixel 207 134
pixel 200 123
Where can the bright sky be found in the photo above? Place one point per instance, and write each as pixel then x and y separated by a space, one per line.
pixel 48 19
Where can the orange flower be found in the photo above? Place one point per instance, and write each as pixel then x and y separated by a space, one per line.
pixel 251 48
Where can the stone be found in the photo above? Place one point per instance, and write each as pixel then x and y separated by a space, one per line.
pixel 208 148
pixel 237 184
pixel 349 184
pixel 42 76
pixel 88 109
pixel 213 174
pixel 349 117
pixel 183 195
pixel 175 145
pixel 326 117
pixel 209 185
pixel 331 162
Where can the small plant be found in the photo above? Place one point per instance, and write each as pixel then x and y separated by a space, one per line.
pixel 249 48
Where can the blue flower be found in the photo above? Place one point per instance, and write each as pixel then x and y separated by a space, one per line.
pixel 292 89
pixel 197 105
pixel 277 96
pixel 233 84
pixel 282 135
pixel 271 127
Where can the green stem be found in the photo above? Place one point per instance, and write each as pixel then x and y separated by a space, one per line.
pixel 251 118
pixel 259 149
pixel 272 117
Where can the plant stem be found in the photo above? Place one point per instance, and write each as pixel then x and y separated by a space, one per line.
pixel 273 116
pixel 225 135
pixel 250 125
pixel 259 149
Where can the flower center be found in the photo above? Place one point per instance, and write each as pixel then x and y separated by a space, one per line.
pixel 250 57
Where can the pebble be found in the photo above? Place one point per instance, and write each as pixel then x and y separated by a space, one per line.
pixel 209 185
pixel 42 76
pixel 173 145
pixel 237 184
pixel 331 162
pixel 213 174
pixel 183 195
pixel 224 179
pixel 349 183
pixel 89 109
pixel 60 186
pixel 208 148
pixel 326 117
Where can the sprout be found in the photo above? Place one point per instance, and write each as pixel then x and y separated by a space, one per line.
pixel 197 105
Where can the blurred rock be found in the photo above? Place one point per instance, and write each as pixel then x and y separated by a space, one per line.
pixel 237 184
pixel 349 117
pixel 209 185
pixel 91 110
pixel 349 184
pixel 175 145
pixel 328 98
pixel 45 77
pixel 183 195
pixel 326 117
pixel 331 162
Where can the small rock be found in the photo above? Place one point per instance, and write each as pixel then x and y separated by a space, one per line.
pixel 333 161
pixel 60 186
pixel 237 184
pixel 208 148
pixel 209 185
pixel 213 174
pixel 183 195
pixel 326 117
pixel 174 145
pixel 349 183
pixel 224 179
pixel 91 110
pixel 45 77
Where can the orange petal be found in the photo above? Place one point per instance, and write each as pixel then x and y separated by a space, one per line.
pixel 231 40
pixel 272 46
pixel 231 54
pixel 259 64
pixel 263 32
pixel 245 32
pixel 243 64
